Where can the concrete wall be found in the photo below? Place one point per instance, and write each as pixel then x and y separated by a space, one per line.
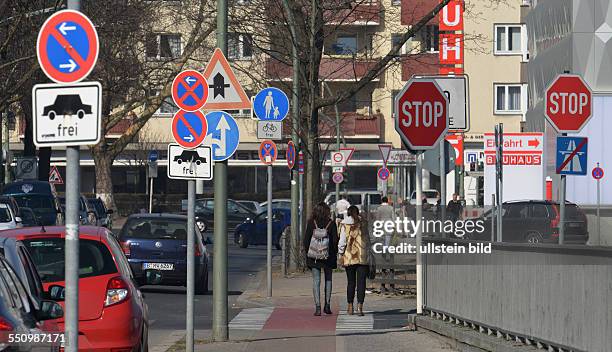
pixel 558 295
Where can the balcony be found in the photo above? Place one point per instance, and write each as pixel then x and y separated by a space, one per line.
pixel 363 13
pixel 419 64
pixel 353 125
pixel 331 69
pixel 414 10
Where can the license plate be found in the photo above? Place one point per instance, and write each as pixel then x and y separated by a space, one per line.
pixel 158 266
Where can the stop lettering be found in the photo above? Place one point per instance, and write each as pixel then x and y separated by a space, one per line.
pixel 422 114
pixel 568 104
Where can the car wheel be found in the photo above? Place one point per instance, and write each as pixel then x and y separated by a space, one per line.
pixel 198 162
pixel 51 115
pixel 201 226
pixel 202 286
pixel 533 237
pixel 80 114
pixel 179 161
pixel 242 241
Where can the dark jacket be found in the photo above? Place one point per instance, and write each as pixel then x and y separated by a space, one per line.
pixel 332 258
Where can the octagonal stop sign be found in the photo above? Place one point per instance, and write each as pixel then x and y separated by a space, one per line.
pixel 569 103
pixel 422 114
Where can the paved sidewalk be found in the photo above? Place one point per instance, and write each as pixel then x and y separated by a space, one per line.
pixel 285 322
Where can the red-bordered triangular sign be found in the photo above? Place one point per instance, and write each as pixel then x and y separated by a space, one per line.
pixel 55 177
pixel 224 90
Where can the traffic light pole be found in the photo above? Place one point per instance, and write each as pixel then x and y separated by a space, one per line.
pixel 219 325
pixel 71 307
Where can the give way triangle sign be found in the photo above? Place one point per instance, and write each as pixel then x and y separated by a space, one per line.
pixel 385 151
pixel 55 177
pixel 224 90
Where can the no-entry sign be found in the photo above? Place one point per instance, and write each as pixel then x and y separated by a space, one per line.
pixel 568 105
pixel 422 114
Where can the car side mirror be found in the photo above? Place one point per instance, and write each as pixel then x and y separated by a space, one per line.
pixel 49 310
pixel 57 292
pixel 18 219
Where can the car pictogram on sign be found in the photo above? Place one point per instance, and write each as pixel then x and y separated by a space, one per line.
pixel 69 104
pixel 189 156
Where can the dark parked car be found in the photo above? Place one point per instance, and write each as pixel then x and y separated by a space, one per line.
pixel 190 156
pixel 103 215
pixel 69 104
pixel 537 221
pixel 236 214
pixel 255 231
pixel 87 215
pixel 39 196
pixel 19 313
pixel 156 247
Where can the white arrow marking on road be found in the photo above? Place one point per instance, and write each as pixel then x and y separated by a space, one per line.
pixel 71 66
pixel 64 28
pixel 188 138
pixel 190 79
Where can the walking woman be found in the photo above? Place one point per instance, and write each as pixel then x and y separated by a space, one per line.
pixel 321 246
pixel 353 247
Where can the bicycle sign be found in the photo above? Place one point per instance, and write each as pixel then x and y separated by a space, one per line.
pixel 269 130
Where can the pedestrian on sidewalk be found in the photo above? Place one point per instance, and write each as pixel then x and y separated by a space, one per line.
pixel 353 247
pixel 321 246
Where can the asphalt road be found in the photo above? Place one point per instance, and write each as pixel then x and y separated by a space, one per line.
pixel 167 304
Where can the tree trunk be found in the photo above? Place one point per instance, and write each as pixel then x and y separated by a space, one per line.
pixel 104 184
pixel 29 149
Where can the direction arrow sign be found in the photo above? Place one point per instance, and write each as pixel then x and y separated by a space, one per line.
pixel 189 164
pixel 385 151
pixel 67 46
pixel 268 152
pixel 290 155
pixel 341 157
pixel 572 155
pixel 224 90
pixel 271 104
pixel 189 128
pixel 67 115
pixel 223 135
pixel 189 90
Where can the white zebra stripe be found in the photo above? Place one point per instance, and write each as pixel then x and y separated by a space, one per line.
pixel 251 318
pixel 354 322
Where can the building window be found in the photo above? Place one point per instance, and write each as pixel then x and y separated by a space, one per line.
pixel 396 38
pixel 167 107
pixel 508 39
pixel 508 98
pixel 240 46
pixel 428 37
pixel 348 105
pixel 345 45
pixel 163 46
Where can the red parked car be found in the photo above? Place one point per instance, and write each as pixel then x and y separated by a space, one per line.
pixel 113 315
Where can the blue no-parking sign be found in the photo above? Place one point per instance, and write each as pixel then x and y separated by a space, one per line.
pixel 572 155
pixel 223 135
pixel 189 90
pixel 268 152
pixel 271 104
pixel 384 173
pixel 67 46
pixel 189 128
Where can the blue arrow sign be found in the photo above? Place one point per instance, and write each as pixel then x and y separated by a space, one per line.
pixel 572 155
pixel 223 135
pixel 271 104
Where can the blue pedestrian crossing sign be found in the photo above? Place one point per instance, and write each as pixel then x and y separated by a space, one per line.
pixel 223 135
pixel 572 155
pixel 271 104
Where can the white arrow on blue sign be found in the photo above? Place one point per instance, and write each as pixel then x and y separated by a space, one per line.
pixel 223 135
pixel 271 104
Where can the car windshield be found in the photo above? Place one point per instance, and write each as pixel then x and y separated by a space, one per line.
pixel 156 229
pixel 5 213
pixel 431 194
pixel 48 256
pixel 40 204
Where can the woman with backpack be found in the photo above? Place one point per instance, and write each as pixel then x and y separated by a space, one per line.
pixel 353 247
pixel 320 244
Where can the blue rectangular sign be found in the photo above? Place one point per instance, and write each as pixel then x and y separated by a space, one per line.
pixel 572 155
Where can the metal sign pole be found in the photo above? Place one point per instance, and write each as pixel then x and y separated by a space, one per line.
pixel 562 187
pixel 598 209
pixel 71 314
pixel 443 184
pixel 419 235
pixel 219 325
pixel 191 191
pixel 151 197
pixel 269 240
pixel 493 217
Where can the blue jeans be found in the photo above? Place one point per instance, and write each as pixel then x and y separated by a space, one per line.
pixel 316 285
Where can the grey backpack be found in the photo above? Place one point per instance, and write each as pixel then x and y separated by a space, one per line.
pixel 319 243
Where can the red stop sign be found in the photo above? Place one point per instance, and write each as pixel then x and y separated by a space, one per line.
pixel 569 102
pixel 422 114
